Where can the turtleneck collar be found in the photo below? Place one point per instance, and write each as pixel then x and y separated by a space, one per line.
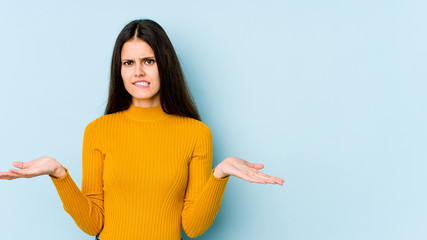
pixel 150 114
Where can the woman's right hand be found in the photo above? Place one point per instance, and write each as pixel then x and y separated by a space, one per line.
pixel 34 168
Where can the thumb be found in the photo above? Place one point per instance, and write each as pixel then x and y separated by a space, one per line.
pixel 20 165
pixel 255 165
pixel 259 166
pixel 23 165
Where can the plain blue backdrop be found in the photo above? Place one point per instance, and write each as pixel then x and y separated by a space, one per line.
pixel 329 95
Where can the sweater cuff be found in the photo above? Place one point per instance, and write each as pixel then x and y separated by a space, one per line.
pixel 219 179
pixel 63 184
pixel 62 178
pixel 216 188
pixel 66 187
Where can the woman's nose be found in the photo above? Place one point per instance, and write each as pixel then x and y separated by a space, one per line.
pixel 139 70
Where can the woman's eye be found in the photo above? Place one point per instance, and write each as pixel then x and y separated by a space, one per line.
pixel 149 61
pixel 127 63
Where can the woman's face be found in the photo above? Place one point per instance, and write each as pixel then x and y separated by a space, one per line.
pixel 140 74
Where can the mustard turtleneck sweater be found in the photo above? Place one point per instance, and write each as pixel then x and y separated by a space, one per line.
pixel 146 174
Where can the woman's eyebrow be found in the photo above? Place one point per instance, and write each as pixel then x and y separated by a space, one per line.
pixel 144 58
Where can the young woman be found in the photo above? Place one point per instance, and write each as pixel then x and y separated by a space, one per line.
pixel 146 162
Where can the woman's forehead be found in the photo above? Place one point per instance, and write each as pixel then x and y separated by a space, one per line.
pixel 136 48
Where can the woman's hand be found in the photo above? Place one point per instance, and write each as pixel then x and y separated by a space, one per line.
pixel 243 169
pixel 34 168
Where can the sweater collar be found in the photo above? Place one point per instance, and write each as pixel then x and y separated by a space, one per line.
pixel 150 114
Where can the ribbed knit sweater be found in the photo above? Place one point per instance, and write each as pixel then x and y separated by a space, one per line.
pixel 146 175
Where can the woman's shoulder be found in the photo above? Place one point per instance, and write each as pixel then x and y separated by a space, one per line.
pixel 192 123
pixel 101 120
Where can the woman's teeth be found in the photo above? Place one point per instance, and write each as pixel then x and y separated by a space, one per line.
pixel 142 83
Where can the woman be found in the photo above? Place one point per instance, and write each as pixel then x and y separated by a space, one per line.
pixel 147 161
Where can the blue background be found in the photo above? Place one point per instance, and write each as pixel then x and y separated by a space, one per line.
pixel 329 95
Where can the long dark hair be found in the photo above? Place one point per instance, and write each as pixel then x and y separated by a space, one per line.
pixel 175 98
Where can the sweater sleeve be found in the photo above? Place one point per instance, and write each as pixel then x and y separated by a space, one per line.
pixel 86 207
pixel 204 191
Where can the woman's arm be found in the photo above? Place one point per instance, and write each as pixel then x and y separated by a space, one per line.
pixel 86 207
pixel 204 191
pixel 206 187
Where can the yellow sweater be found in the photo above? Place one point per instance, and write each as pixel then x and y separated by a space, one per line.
pixel 146 174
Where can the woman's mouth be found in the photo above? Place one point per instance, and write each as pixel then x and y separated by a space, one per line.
pixel 141 84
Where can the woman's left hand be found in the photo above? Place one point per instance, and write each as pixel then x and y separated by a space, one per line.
pixel 245 170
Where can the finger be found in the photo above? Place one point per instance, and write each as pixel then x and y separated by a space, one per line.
pixel 5 178
pixel 16 171
pixel 254 175
pixel 249 178
pixel 265 177
pixel 18 164
pixel 259 166
pixel 27 173
pixel 268 180
pixel 275 179
pixel 8 176
pixel 254 180
pixel 278 180
pixel 254 165
pixel 22 165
